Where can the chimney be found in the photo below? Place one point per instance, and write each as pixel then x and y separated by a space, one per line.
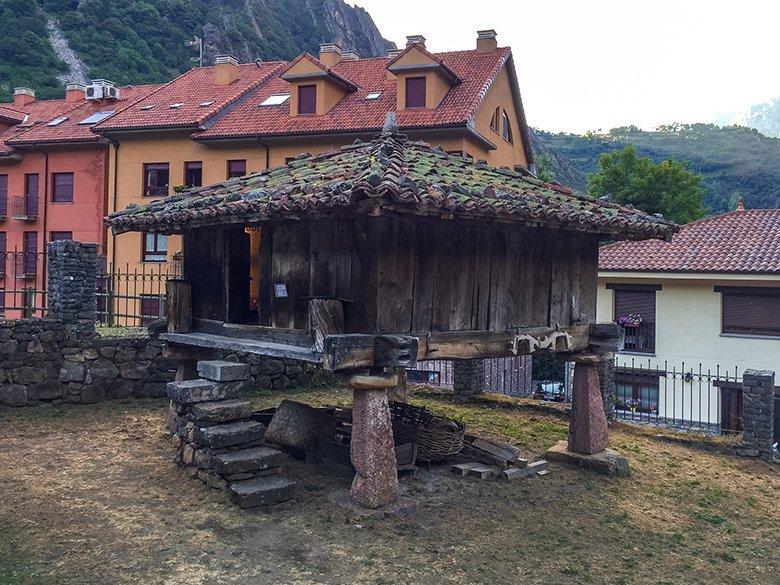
pixel 350 56
pixel 393 53
pixel 23 96
pixel 740 205
pixel 74 92
pixel 225 69
pixel 486 41
pixel 330 54
pixel 415 40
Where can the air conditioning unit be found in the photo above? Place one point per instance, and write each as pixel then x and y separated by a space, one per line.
pixel 94 92
pixel 102 89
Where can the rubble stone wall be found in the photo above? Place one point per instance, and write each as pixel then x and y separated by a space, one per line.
pixel 49 361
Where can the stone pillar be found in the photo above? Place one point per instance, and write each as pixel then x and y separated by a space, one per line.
pixel 468 378
pixel 72 281
pixel 607 380
pixel 399 393
pixel 588 428
pixel 372 449
pixel 758 414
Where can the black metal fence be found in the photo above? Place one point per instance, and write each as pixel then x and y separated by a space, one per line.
pixel 126 296
pixel 132 296
pixel 22 289
pixel 679 396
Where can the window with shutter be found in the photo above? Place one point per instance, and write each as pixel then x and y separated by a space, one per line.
pixel 307 99
pixel 62 188
pixel 750 311
pixel 635 311
pixel 415 92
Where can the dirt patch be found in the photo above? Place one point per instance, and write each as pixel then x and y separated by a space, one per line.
pixel 90 496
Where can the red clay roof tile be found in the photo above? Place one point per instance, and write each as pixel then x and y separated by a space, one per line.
pixel 193 90
pixel 740 241
pixel 354 113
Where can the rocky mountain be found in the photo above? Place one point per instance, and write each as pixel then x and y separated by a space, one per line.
pixel 46 43
pixel 763 117
pixel 734 161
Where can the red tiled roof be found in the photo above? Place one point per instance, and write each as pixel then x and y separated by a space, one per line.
pixel 193 88
pixel 11 114
pixel 37 112
pixel 354 113
pixel 346 83
pixel 740 241
pixel 71 130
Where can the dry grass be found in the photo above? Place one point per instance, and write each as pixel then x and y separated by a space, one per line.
pixel 90 496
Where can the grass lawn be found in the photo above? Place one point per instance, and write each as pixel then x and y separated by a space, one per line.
pixel 89 495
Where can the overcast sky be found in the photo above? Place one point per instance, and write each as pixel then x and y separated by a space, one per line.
pixel 598 64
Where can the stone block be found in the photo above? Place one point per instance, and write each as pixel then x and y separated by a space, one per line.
pixel 13 395
pixel 192 391
pixel 222 371
pixel 272 367
pixel 222 411
pixel 72 372
pixel 228 435
pixel 49 390
pixel 92 394
pixel 247 460
pixel 607 462
pixel 261 491
pixel 103 369
pixel 27 375
pixel 118 389
pixel 298 426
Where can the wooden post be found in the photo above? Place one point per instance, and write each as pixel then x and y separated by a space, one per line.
pixel 326 317
pixel 398 392
pixel 372 449
pixel 178 305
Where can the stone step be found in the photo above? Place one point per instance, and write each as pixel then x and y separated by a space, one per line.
pixel 539 467
pixel 221 436
pixel 192 391
pixel 247 460
pixel 261 491
pixel 222 371
pixel 220 412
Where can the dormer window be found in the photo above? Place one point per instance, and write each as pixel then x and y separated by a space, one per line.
pixel 506 127
pixel 415 92
pixel 307 99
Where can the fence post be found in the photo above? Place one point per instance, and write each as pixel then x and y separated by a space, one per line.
pixel 72 283
pixel 468 378
pixel 758 414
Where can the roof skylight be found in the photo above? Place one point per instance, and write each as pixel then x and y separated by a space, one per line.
pixel 373 95
pixel 205 104
pixel 57 121
pixel 147 107
pixel 275 99
pixel 176 106
pixel 97 117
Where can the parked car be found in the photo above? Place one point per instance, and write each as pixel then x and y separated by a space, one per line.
pixel 549 390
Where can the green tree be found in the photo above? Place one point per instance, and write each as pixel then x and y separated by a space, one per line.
pixel 545 167
pixel 667 187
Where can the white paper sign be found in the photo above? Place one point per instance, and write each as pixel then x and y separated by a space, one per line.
pixel 280 290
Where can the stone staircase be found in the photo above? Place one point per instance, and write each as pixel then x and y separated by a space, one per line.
pixel 217 441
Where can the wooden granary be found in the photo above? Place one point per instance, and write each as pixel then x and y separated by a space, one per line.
pixel 368 258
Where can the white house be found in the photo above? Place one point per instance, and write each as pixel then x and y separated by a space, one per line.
pixel 698 311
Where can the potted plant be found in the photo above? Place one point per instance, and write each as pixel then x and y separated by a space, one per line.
pixel 633 404
pixel 631 321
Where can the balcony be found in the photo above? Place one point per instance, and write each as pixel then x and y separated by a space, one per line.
pixel 640 339
pixel 26 208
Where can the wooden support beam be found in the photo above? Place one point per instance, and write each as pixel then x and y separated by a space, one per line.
pixel 178 305
pixel 326 317
pixel 356 351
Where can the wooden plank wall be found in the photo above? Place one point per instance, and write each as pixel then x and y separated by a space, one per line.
pixel 411 276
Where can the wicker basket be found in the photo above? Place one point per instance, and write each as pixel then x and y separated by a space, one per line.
pixel 437 437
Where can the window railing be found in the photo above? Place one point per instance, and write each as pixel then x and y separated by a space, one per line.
pixel 641 338
pixel 26 208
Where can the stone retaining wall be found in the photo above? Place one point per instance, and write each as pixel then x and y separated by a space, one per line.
pixel 49 361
